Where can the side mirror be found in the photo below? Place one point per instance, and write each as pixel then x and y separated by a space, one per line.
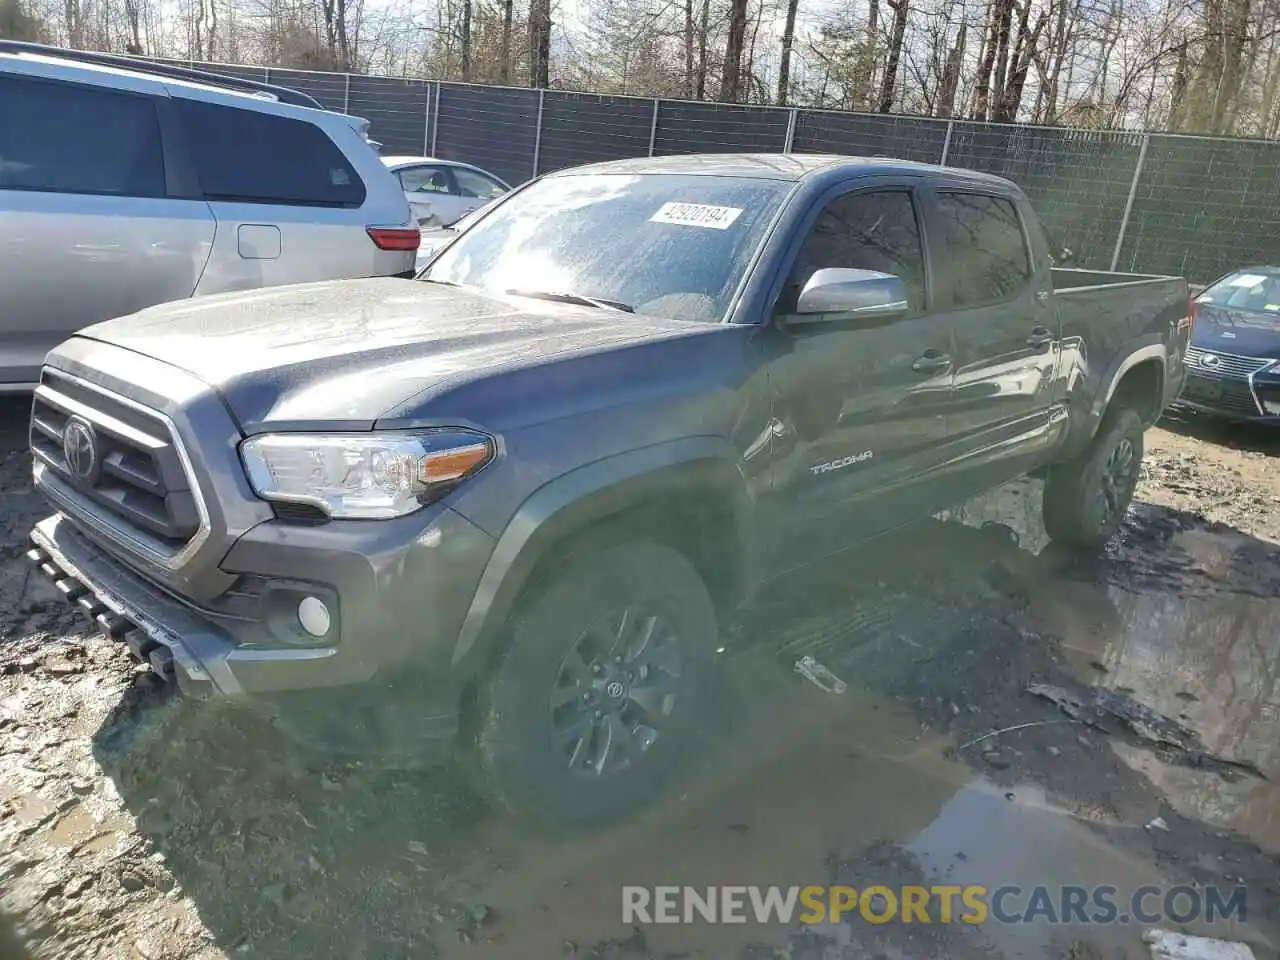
pixel 842 293
pixel 1064 257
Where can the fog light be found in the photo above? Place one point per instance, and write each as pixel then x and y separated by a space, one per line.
pixel 314 616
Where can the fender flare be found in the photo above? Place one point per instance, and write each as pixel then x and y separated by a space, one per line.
pixel 591 492
pixel 1139 351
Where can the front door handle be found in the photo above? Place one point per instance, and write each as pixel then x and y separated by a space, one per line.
pixel 1039 337
pixel 931 362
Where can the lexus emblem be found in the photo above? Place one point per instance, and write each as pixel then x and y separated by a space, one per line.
pixel 79 447
pixel 1211 360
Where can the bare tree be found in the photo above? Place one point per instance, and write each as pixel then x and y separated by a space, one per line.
pixel 788 39
pixel 540 43
pixel 731 78
pixel 900 10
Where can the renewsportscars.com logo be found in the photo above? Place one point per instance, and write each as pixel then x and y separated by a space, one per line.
pixel 941 903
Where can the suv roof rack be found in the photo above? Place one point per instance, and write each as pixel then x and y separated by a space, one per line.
pixel 283 94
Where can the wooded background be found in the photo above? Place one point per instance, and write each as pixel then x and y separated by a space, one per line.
pixel 1200 66
pixel 1053 94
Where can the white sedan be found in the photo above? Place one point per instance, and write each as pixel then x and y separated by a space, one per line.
pixel 441 192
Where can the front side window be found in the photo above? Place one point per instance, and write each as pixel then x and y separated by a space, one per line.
pixel 865 231
pixel 244 156
pixel 670 245
pixel 75 138
pixel 434 180
pixel 984 249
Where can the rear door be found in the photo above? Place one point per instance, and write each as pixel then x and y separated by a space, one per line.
pixel 997 286
pixel 286 199
pixel 88 227
pixel 860 410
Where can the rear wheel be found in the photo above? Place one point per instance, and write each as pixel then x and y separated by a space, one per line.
pixel 597 697
pixel 1085 499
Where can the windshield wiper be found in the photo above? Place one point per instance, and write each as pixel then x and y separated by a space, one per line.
pixel 574 298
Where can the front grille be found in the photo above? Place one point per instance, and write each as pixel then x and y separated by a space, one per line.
pixel 1229 396
pixel 121 461
pixel 1223 364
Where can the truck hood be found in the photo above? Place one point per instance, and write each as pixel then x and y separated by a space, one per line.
pixel 1245 333
pixel 345 353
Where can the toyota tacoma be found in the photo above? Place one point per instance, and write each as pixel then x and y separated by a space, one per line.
pixel 521 495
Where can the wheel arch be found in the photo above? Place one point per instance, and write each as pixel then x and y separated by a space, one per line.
pixel 1135 371
pixel 657 492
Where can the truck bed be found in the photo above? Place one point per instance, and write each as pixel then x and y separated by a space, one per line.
pixel 1071 280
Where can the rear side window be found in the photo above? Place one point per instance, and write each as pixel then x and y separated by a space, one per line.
pixel 472 183
pixel 984 250
pixel 249 157
pixel 74 138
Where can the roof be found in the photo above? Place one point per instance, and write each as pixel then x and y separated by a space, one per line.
pixel 145 76
pixel 769 166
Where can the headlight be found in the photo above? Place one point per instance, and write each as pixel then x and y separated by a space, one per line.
pixel 363 476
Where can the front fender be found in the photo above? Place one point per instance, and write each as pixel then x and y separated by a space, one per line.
pixel 591 493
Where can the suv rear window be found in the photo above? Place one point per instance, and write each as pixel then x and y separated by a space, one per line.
pixel 1246 290
pixel 249 157
pixel 77 138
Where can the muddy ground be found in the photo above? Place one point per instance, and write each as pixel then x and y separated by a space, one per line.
pixel 137 825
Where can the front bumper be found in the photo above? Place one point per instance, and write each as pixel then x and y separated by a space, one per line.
pixel 387 687
pixel 1242 400
pixel 179 645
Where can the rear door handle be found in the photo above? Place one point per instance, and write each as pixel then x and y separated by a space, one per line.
pixel 1039 337
pixel 931 362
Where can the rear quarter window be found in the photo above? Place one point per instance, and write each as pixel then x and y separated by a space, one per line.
pixel 249 157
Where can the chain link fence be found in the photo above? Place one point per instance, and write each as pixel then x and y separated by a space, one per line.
pixel 1150 203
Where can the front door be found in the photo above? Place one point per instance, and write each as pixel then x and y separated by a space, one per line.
pixel 860 409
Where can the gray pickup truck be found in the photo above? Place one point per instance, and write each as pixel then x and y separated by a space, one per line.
pixel 529 488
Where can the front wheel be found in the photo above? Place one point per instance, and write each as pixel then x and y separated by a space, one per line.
pixel 596 698
pixel 1086 498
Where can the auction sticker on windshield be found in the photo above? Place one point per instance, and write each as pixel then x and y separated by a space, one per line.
pixel 696 215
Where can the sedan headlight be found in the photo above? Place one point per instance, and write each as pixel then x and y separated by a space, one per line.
pixel 363 476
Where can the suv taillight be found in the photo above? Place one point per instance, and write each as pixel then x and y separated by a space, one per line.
pixel 395 238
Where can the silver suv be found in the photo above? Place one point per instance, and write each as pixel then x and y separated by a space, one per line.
pixel 124 184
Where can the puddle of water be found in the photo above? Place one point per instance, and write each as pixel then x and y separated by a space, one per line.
pixel 800 793
pixel 982 837
pixel 103 843
pixel 72 828
pixel 1210 661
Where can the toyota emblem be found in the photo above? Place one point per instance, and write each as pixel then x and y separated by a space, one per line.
pixel 1211 360
pixel 79 447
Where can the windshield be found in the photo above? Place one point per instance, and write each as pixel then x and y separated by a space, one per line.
pixel 662 244
pixel 1246 290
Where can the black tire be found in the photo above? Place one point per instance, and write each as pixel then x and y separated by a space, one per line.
pixel 543 761
pixel 1086 498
